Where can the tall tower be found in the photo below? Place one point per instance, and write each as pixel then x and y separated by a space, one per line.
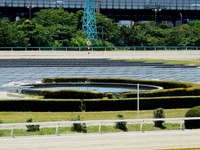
pixel 89 20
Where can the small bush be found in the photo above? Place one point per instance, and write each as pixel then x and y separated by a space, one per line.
pixel 1 121
pixel 32 128
pixel 193 112
pixel 121 125
pixel 109 95
pixel 78 127
pixel 159 113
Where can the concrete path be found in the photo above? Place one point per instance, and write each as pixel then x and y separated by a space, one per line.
pixel 173 54
pixel 109 141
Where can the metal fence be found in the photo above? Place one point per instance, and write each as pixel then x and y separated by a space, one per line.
pixel 98 123
pixel 107 48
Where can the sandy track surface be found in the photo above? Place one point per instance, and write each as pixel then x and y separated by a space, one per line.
pixel 110 141
pixel 173 54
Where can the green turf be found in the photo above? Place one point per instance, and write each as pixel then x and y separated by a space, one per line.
pixel 16 117
pixel 192 62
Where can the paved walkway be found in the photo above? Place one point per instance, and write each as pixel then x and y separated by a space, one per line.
pixel 7 95
pixel 109 141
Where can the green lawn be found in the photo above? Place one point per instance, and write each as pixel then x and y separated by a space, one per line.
pixel 16 117
pixel 195 62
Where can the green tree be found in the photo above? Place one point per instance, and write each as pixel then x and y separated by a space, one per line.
pixel 107 29
pixel 61 24
pixel 178 36
pixel 194 28
pixel 50 17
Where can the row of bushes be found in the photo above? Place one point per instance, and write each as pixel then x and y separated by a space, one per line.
pixel 72 94
pixel 61 105
pixel 164 84
pixel 167 92
pixel 76 94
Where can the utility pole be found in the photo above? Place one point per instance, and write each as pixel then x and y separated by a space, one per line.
pixel 89 20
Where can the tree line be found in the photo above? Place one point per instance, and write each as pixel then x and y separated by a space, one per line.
pixel 59 28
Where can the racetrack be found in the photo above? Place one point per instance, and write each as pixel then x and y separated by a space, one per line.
pixel 109 141
pixel 155 54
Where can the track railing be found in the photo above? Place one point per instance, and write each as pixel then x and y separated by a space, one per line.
pixel 98 123
pixel 100 48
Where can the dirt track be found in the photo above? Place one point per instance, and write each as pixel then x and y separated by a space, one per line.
pixel 174 54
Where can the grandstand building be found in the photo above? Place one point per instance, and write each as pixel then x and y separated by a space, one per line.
pixel 133 10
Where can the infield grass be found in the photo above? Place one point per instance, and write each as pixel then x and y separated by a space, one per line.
pixel 192 62
pixel 17 117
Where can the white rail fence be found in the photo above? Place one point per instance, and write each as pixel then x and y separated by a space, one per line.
pixel 99 123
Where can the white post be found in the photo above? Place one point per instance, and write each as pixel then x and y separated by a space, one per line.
pixel 138 102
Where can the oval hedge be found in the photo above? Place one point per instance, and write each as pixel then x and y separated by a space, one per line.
pixel 174 95
pixel 170 88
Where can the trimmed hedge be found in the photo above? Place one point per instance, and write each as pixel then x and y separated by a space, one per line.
pixel 72 94
pixel 168 92
pixel 40 105
pixel 174 95
pixel 193 124
pixel 98 105
pixel 170 88
pixel 164 84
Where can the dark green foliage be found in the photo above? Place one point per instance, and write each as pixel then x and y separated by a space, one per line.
pixel 47 80
pixel 83 106
pixel 109 95
pixel 170 88
pixel 32 128
pixel 72 94
pixel 181 95
pixel 1 121
pixel 159 113
pixel 121 125
pixel 57 27
pixel 167 92
pixel 193 112
pixel 60 105
pixel 56 80
pixel 78 127
pixel 40 105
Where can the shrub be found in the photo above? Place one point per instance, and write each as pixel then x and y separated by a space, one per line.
pixel 193 112
pixel 121 125
pixel 78 127
pixel 159 113
pixel 109 95
pixel 32 128
pixel 1 121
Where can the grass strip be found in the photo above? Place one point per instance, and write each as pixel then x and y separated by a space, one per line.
pixel 90 129
pixel 18 117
